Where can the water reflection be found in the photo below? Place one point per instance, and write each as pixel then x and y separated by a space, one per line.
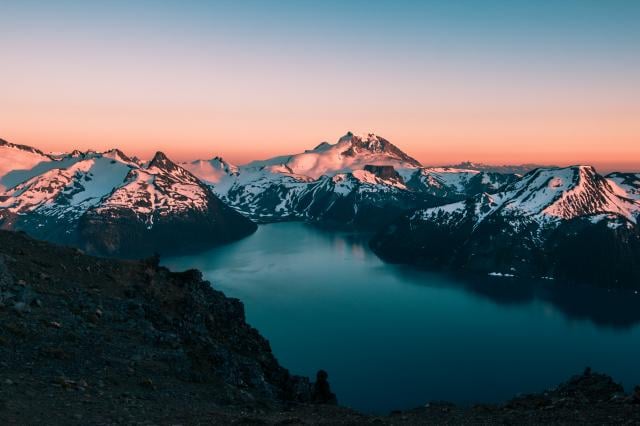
pixel 603 307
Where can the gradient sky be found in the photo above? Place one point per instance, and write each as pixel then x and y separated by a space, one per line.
pixel 497 81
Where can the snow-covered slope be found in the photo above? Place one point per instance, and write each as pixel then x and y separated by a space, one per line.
pixel 211 171
pixel 626 184
pixel 67 192
pixel 17 161
pixel 526 228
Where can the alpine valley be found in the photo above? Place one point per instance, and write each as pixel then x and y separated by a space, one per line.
pixel 569 223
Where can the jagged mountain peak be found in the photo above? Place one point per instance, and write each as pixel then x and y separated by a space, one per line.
pixel 372 143
pixel 211 171
pixel 161 165
pixel 161 161
pixel 118 155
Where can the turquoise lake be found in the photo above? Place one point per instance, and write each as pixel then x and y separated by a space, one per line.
pixel 394 337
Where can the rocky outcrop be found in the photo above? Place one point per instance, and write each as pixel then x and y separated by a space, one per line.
pixel 384 172
pixel 111 327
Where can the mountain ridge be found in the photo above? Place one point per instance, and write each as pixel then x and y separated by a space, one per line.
pixel 75 198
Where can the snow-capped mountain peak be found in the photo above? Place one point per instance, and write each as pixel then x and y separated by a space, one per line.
pixel 373 144
pixel 351 152
pixel 161 164
pixel 117 155
pixel 212 171
pixel 161 161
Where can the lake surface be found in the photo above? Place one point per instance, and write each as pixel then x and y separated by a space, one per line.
pixel 393 337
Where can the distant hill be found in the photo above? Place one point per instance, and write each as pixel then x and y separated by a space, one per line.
pixel 519 169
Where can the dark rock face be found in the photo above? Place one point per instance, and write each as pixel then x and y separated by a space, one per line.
pixel 376 144
pixel 604 254
pixel 384 172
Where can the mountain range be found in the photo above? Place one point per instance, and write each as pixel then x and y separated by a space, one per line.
pixel 567 223
pixel 520 220
pixel 110 204
pixel 359 182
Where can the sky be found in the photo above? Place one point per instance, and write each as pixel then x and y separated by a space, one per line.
pixel 494 81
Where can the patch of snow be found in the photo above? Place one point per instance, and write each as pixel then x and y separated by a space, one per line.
pixel 500 274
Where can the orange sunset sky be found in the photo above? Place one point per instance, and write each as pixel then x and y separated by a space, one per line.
pixel 503 83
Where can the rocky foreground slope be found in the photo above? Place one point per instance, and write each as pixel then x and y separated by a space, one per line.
pixel 99 341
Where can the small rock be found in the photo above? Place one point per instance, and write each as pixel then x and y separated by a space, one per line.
pixel 8 382
pixel 20 307
pixel 322 391
pixel 147 383
pixel 635 398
